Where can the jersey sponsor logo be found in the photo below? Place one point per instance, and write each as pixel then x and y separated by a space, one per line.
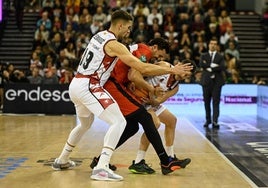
pixel 98 39
pixel 143 58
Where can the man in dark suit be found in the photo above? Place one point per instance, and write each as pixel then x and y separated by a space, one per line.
pixel 212 81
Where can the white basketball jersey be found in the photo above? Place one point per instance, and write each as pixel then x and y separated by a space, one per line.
pixel 95 61
pixel 166 82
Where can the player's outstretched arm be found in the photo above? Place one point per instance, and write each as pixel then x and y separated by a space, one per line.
pixel 115 48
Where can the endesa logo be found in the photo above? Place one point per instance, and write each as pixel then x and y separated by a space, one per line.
pixel 37 94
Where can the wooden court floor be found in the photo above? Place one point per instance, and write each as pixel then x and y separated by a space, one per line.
pixel 28 144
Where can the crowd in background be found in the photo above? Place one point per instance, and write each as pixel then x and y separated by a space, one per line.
pixel 64 28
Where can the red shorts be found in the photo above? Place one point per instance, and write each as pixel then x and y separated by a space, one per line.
pixel 125 99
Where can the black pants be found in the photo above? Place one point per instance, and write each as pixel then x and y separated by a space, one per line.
pixel 145 119
pixel 212 92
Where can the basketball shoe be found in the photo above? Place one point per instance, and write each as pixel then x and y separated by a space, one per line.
pixel 174 164
pixel 58 166
pixel 140 168
pixel 105 174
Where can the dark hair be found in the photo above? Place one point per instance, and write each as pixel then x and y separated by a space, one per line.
pixel 161 43
pixel 192 63
pixel 121 15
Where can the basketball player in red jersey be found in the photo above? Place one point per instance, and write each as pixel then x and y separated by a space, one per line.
pixel 133 110
pixel 91 99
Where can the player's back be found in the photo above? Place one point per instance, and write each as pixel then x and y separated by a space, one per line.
pixel 94 60
pixel 141 51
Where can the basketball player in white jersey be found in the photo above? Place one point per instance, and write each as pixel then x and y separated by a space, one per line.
pixel 91 99
pixel 170 85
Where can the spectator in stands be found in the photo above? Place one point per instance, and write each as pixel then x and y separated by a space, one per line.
pixel 171 32
pixel 19 77
pixel 234 78
pixel 174 49
pixel 212 32
pixel 9 72
pixel 222 6
pixel 89 5
pixel 35 77
pixel 207 17
pixel 72 19
pixel 197 28
pixel 57 23
pixel 208 4
pixel 56 44
pixel 67 76
pixel 224 21
pixel 199 47
pixel 81 43
pixel 196 10
pixel 41 36
pixel 185 52
pixel 192 3
pixel 231 64
pixel 50 77
pixel 125 5
pixel 184 36
pixel 104 5
pixel 232 50
pixel 141 33
pixel 169 18
pixel 141 9
pixel 181 7
pixel 257 80
pixel 183 19
pixel 19 12
pixel 73 4
pixel 95 26
pixel 158 5
pixel 44 20
pixel 59 11
pixel 155 28
pixel 154 14
pixel 47 6
pixel 70 51
pixel 100 16
pixel 232 38
pixel 225 37
pixel 84 26
pixel 35 60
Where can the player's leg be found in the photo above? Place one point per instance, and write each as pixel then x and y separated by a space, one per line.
pixel 113 116
pixel 86 119
pixel 170 121
pixel 139 165
pixel 144 142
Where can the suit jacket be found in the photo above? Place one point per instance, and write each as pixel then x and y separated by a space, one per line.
pixel 216 74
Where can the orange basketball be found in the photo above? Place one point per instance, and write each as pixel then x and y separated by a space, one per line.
pixel 140 93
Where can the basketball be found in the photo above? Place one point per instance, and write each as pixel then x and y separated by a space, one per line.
pixel 140 94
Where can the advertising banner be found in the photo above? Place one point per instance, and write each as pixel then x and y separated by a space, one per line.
pixel 235 99
pixel 44 99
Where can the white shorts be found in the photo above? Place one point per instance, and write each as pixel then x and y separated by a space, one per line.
pixel 88 100
pixel 157 109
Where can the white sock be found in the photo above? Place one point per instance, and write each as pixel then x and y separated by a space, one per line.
pixel 170 151
pixel 64 156
pixel 140 156
pixel 105 158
